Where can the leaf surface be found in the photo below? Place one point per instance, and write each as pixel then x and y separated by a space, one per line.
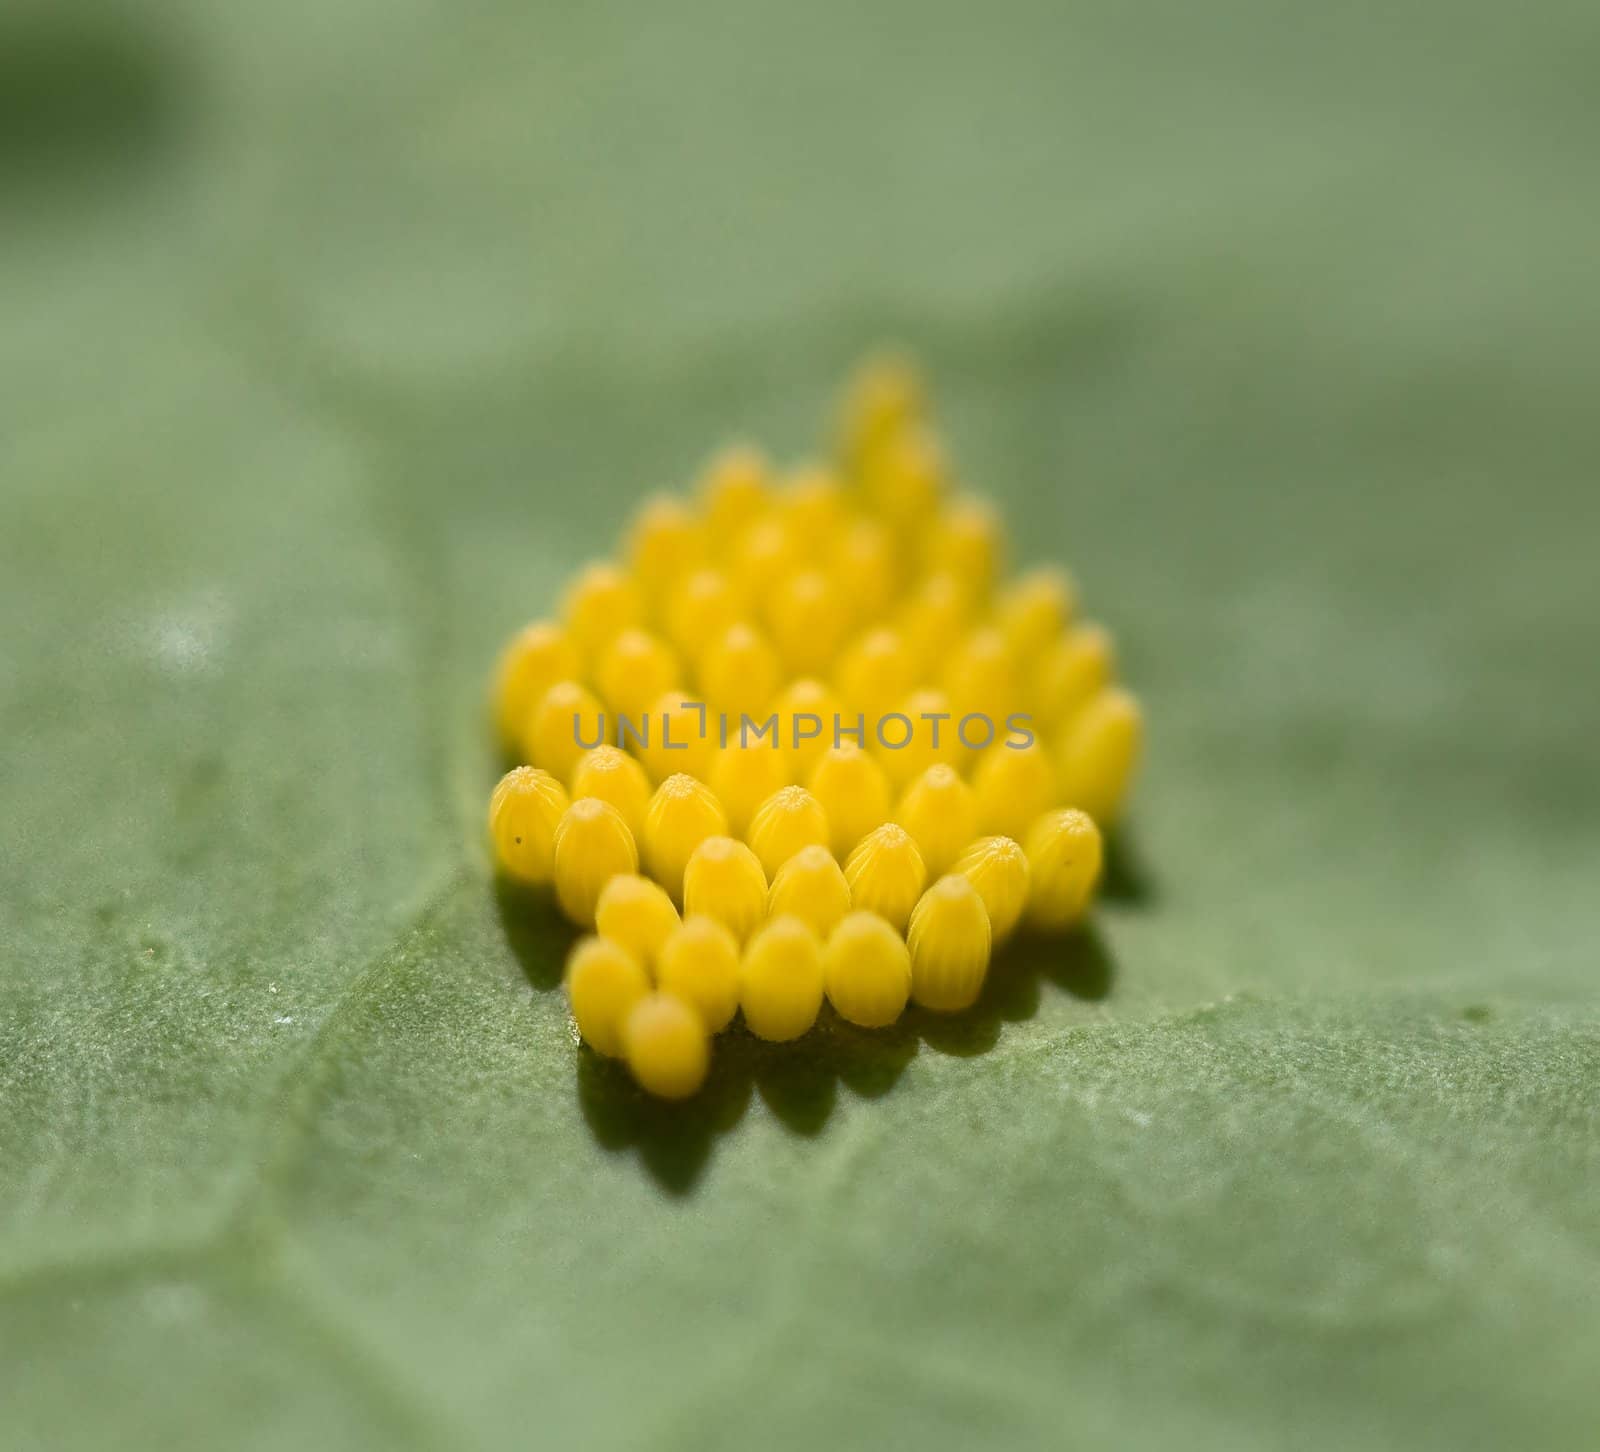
pixel 334 336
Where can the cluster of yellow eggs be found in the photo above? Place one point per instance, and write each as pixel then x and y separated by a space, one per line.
pixel 803 740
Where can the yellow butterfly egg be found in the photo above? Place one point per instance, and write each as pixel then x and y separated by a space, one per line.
pixel 739 673
pixel 1099 754
pixel 635 671
pixel 1065 854
pixel 667 1047
pixel 1034 609
pixel 790 820
pixel 922 731
pixel 744 776
pixel 884 399
pixel 682 814
pixel 764 554
pixel 811 613
pixel 866 565
pixel 933 618
pixel 700 609
pixel 780 980
pixel 1014 783
pixel 615 777
pixel 637 913
pixel 600 602
pixel 866 970
pixel 808 715
pixel 735 490
pixel 906 479
pixel 886 874
pixel 724 880
pixel 593 844
pixel 699 963
pixel 998 868
pixel 981 679
pixel 604 983
pixel 812 505
pixel 949 939
pixel 967 540
pixel 536 657
pixel 811 887
pixel 1071 671
pixel 854 793
pixel 940 811
pixel 666 540
pixel 524 810
pixel 679 736
pixel 876 672
pixel 567 721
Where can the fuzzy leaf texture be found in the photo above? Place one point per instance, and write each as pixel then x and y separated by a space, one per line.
pixel 333 336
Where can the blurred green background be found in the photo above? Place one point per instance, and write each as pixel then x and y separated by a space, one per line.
pixel 333 334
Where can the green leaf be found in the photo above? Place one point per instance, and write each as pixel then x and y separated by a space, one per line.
pixel 331 337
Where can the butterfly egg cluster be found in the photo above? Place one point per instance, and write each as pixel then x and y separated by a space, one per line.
pixel 803 739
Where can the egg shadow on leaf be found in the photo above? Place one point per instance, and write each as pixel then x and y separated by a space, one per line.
pixel 1079 963
pixel 673 1141
pixel 535 931
pixel 798 1083
pixel 1126 881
